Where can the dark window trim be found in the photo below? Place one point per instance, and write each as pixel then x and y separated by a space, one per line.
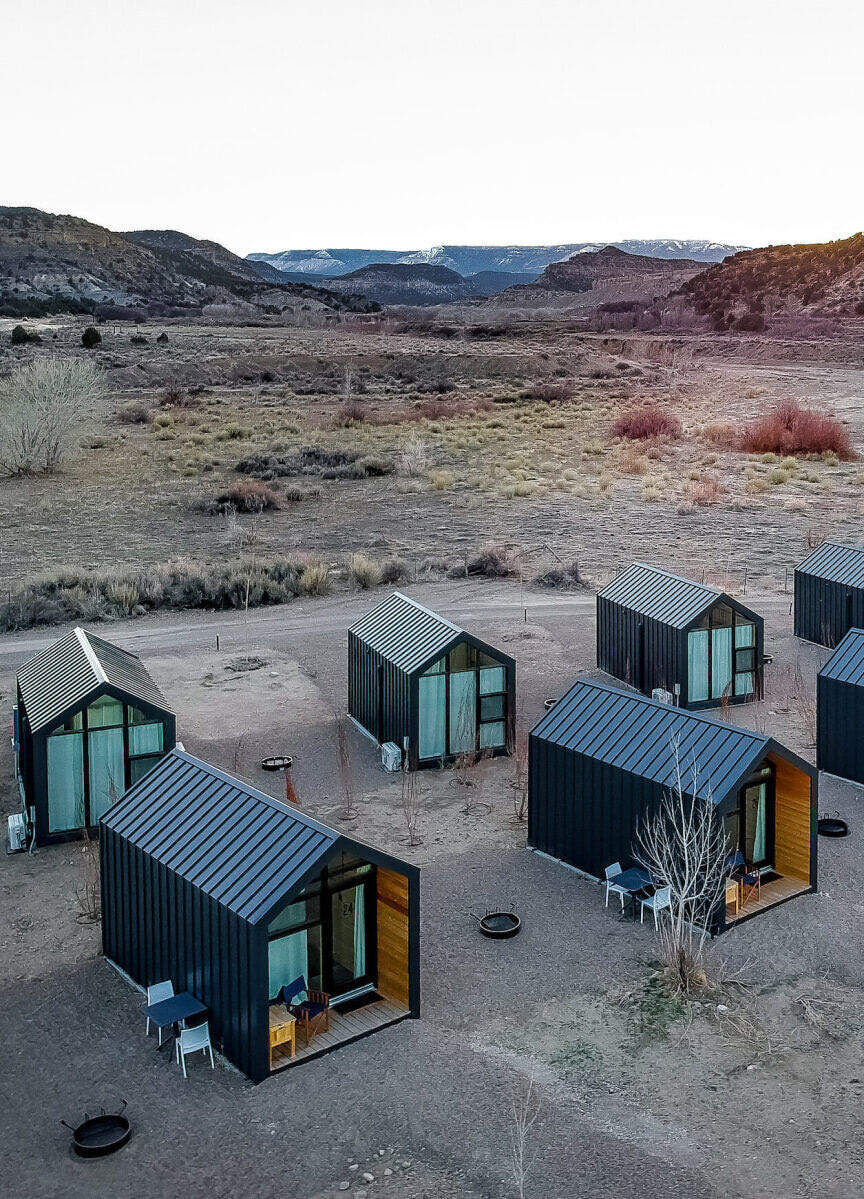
pixel 478 719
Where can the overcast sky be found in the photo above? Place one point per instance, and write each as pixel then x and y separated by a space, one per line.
pixel 276 124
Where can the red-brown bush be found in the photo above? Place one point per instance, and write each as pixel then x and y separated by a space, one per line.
pixel 649 420
pixel 791 429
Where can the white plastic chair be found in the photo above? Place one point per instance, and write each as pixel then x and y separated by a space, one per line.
pixel 658 902
pixel 155 994
pixel 611 872
pixel 193 1039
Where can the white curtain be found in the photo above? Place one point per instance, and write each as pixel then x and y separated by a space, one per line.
pixel 721 661
pixel 697 666
pixel 432 717
pixel 106 774
pixel 359 931
pixel 463 714
pixel 65 782
pixel 289 958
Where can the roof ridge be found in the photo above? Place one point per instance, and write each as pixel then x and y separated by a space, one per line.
pixel 90 654
pixel 428 611
pixel 660 570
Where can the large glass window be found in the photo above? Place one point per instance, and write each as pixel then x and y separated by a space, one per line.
pixel 721 657
pixel 65 782
pixel 745 656
pixel 107 776
pixel 463 704
pixel 697 665
pixel 463 711
pixel 432 733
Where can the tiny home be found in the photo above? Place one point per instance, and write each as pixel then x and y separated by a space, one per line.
pixel 829 593
pixel 656 630
pixel 602 758
pixel 428 686
pixel 230 895
pixel 88 723
pixel 840 710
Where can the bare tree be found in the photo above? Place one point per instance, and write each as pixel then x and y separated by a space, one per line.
pixel 43 405
pixel 347 810
pixel 525 1109
pixel 88 887
pixel 683 846
pixel 520 773
pixel 411 806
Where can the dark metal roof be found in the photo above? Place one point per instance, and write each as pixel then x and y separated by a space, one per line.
pixel 75 667
pixel 405 633
pixel 836 563
pixel 242 847
pixel 846 664
pixel 660 595
pixel 638 734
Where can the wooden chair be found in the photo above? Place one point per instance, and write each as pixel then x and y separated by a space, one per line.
pixel 312 1013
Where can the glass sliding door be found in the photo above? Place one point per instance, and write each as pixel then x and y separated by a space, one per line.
pixel 106 770
pixel 721 652
pixel 698 645
pixel 432 717
pixel 462 704
pixel 66 801
pixel 463 712
pixel 750 828
pixel 348 916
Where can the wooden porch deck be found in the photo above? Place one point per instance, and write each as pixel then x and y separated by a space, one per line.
pixel 778 890
pixel 344 1027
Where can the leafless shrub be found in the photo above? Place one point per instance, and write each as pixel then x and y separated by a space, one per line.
pixel 520 774
pixel 44 404
pixel 525 1109
pixel 347 809
pixel 413 458
pixel 410 804
pixel 134 412
pixel 683 846
pixel 88 887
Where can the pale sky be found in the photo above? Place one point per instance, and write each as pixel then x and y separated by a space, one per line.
pixel 402 124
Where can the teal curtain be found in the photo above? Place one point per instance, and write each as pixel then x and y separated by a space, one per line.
pixel 697 666
pixel 104 711
pixel 289 958
pixel 721 661
pixel 492 735
pixel 359 931
pixel 65 782
pixel 432 719
pixel 107 776
pixel 745 635
pixel 492 681
pixel 463 711
pixel 145 738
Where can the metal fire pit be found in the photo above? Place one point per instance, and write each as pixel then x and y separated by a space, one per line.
pixel 278 762
pixel 97 1136
pixel 499 925
pixel 832 826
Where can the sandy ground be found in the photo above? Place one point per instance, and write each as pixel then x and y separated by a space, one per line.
pixel 639 1095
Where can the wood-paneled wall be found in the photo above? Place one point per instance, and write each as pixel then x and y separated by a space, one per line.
pixel 792 822
pixel 393 936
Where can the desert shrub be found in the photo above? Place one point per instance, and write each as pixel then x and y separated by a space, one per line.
pixel 316 578
pixel 791 429
pixel 374 466
pixel 138 339
pixel 442 480
pixel 22 337
pixel 233 432
pixel 91 337
pixel 648 420
pixel 162 338
pixel 395 570
pixel 703 491
pixel 43 406
pixel 352 412
pixel 558 392
pixel 720 433
pixel 163 420
pixel 295 494
pixel 413 459
pixel 631 462
pixel 134 412
pixel 247 495
pixel 315 461
pixel 364 572
pixel 559 578
pixel 491 561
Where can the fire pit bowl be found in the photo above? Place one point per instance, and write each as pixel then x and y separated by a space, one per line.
pixel 97 1136
pixel 499 925
pixel 549 704
pixel 277 762
pixel 833 826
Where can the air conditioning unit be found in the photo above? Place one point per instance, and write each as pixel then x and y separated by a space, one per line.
pixel 664 696
pixel 391 756
pixel 17 833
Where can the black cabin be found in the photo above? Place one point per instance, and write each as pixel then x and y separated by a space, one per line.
pixel 431 688
pixel 88 723
pixel 840 710
pixel 602 757
pixel 231 895
pixel 829 593
pixel 658 631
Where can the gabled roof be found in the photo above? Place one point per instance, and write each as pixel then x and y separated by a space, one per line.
pixel 64 674
pixel 243 848
pixel 661 596
pixel 638 734
pixel 835 562
pixel 405 633
pixel 846 664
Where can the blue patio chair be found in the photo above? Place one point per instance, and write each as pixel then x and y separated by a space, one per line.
pixel 156 992
pixel 312 1013
pixel 191 1040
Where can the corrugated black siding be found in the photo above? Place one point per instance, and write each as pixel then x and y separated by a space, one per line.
pixel 840 728
pixel 367 669
pixel 157 926
pixel 825 611
pixel 620 635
